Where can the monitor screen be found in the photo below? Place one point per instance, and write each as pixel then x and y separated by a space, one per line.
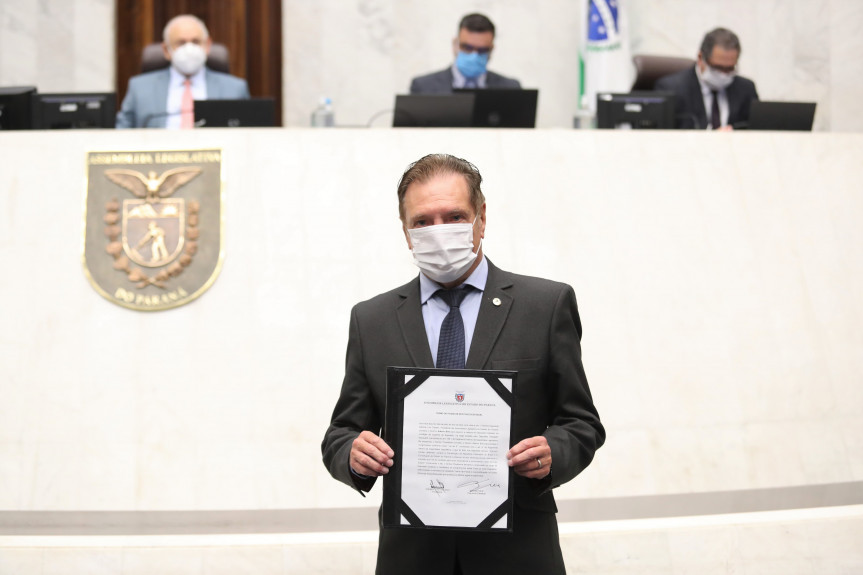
pixel 15 107
pixel 635 111
pixel 74 111
pixel 503 108
pixel 781 115
pixel 433 111
pixel 246 113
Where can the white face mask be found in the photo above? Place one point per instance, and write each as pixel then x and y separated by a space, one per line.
pixel 715 79
pixel 443 252
pixel 189 58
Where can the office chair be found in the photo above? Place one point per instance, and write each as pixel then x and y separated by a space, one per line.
pixel 651 68
pixel 152 58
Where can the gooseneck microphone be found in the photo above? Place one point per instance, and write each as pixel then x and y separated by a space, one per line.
pixel 150 117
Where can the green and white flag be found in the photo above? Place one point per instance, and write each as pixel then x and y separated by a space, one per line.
pixel 605 61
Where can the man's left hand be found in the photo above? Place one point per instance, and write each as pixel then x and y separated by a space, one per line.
pixel 531 457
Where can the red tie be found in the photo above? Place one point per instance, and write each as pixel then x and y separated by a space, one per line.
pixel 187 107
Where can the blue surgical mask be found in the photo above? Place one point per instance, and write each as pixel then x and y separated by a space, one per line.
pixel 471 64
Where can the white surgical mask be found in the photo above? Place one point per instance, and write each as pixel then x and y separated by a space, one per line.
pixel 443 252
pixel 715 79
pixel 189 58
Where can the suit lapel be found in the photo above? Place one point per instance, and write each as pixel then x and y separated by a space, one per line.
pixel 410 317
pixel 213 92
pixel 490 321
pixel 447 80
pixel 493 311
pixel 734 101
pixel 160 99
pixel 697 99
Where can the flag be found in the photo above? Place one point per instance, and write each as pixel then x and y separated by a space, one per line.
pixel 605 62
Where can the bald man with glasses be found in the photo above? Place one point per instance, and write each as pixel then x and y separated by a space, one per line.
pixel 471 50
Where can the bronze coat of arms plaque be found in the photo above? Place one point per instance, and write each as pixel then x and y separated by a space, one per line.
pixel 153 226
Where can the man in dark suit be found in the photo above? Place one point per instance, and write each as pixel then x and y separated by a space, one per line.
pixel 713 85
pixel 510 322
pixel 165 98
pixel 472 50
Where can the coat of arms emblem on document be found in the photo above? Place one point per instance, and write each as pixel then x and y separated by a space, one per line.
pixel 153 233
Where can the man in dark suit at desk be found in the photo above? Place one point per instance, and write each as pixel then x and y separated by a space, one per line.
pixel 472 50
pixel 713 84
pixel 497 320
pixel 165 98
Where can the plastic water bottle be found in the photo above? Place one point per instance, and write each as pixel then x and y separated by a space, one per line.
pixel 323 116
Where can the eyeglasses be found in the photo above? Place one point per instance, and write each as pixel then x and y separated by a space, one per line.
pixel 725 69
pixel 464 47
pixel 178 43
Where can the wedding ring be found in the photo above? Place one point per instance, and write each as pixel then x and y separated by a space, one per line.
pixel 538 463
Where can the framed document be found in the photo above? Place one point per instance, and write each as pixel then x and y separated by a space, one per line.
pixel 450 430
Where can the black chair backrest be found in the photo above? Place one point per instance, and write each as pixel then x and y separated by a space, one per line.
pixel 152 58
pixel 651 68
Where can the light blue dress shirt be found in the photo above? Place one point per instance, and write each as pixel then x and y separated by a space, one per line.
pixel 435 309
pixel 459 80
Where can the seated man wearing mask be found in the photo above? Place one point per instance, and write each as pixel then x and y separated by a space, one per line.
pixel 711 95
pixel 165 98
pixel 472 49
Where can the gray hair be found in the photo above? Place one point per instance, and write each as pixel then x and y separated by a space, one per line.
pixel 184 17
pixel 722 37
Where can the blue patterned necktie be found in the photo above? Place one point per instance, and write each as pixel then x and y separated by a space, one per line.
pixel 471 83
pixel 450 349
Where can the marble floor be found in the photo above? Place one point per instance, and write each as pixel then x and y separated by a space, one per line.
pixel 792 542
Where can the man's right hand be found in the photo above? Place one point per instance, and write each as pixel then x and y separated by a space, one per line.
pixel 370 455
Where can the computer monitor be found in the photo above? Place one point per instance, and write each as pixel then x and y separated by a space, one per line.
pixel 433 111
pixel 15 107
pixel 635 110
pixel 74 111
pixel 503 108
pixel 781 115
pixel 247 113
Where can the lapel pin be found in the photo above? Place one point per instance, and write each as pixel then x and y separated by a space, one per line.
pixel 496 301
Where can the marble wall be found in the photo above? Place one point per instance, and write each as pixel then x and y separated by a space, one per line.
pixel 796 50
pixel 719 292
pixel 362 52
pixel 802 542
pixel 718 279
pixel 57 45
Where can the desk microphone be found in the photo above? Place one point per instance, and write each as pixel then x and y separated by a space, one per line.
pixel 689 116
pixel 151 117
